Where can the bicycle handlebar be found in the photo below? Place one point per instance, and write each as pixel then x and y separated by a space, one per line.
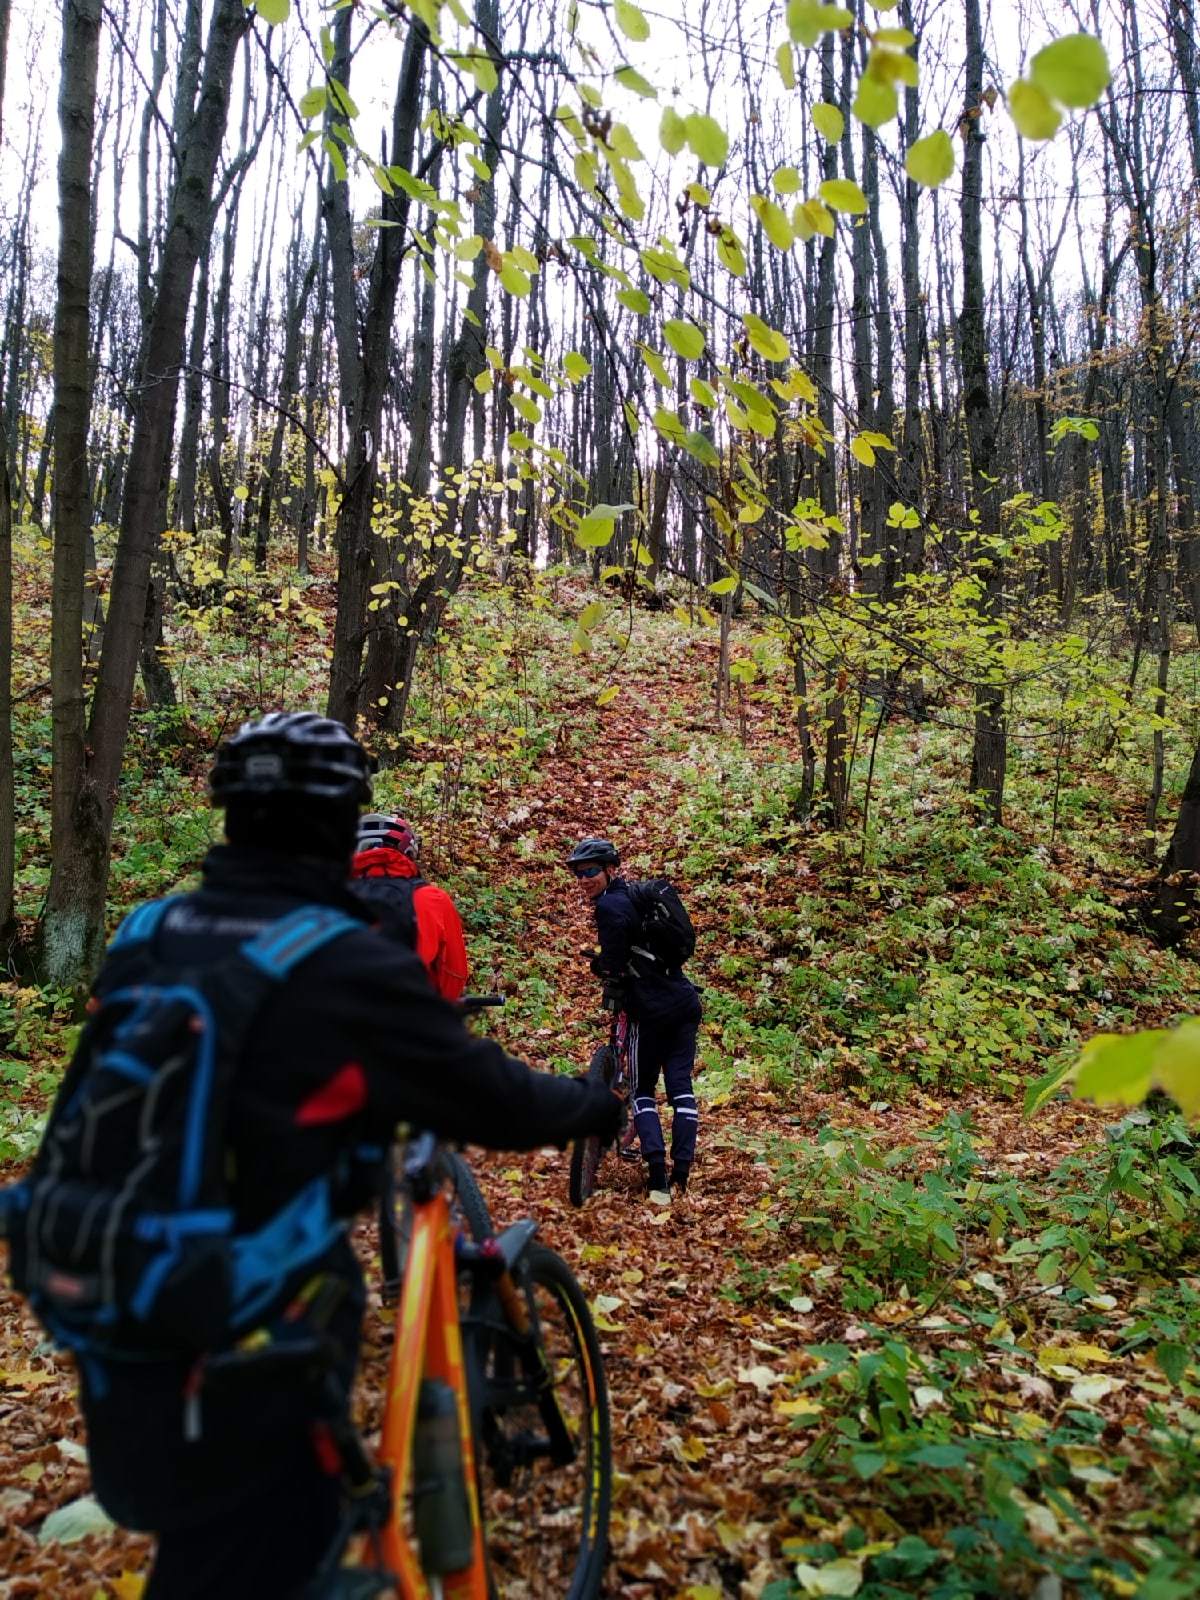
pixel 480 1002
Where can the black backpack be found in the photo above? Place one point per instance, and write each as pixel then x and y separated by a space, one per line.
pixel 122 1234
pixel 666 927
pixel 391 900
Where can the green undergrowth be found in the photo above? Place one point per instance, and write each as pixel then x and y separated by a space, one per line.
pixel 912 949
pixel 995 1378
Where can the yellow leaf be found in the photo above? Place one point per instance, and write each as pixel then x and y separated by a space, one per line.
pixel 804 1410
pixel 715 1391
pixel 128 1586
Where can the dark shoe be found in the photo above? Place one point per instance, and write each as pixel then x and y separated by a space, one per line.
pixel 679 1178
pixel 656 1176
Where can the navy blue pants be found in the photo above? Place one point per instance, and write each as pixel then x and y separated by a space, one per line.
pixel 671 1051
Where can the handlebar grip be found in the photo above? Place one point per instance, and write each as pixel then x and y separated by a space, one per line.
pixel 480 1002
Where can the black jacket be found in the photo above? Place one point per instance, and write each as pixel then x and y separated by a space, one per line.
pixel 353 1042
pixel 651 994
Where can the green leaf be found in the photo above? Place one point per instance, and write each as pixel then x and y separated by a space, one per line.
pixel 1118 1068
pixel 706 139
pixel 769 342
pixel 774 221
pixel 631 21
pixel 483 381
pixel 596 529
pixel 842 194
pixel 629 78
pixel 685 338
pixel 1172 1360
pixel 701 447
pixel 807 20
pixel 634 300
pixel 828 121
pixel 672 131
pixel 875 102
pixel 669 425
pixel 576 367
pixel 1074 70
pixel 515 280
pixel 526 408
pixel 786 180
pixel 274 11
pixel 931 160
pixel 313 101
pixel 730 253
pixel 592 615
pixel 606 696
pixel 656 364
pixel 1036 117
pixel 701 393
pixel 723 586
pixel 665 266
pixel 785 60
pixel 480 67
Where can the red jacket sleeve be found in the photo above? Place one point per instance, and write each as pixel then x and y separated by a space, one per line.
pixel 440 942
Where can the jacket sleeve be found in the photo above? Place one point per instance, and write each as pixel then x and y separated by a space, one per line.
pixel 616 926
pixel 440 942
pixel 425 1068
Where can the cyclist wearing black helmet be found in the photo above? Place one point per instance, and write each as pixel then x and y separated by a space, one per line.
pixel 663 1009
pixel 237 1484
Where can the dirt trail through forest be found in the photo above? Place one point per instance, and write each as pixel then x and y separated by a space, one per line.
pixel 703 1431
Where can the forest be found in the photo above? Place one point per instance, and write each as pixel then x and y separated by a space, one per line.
pixel 765 435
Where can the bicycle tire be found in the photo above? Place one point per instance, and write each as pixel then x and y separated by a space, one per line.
pixel 587 1153
pixel 395 1218
pixel 535 1544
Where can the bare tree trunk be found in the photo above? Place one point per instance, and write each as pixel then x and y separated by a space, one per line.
pixel 7 783
pixel 364 368
pixel 73 922
pixel 989 758
pixel 72 409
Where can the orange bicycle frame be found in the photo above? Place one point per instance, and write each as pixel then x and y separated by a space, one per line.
pixel 428 1344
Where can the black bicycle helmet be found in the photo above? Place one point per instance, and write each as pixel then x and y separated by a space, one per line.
pixel 594 852
pixel 388 833
pixel 291 754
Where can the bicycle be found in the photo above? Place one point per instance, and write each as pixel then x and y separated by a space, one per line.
pixel 612 1063
pixel 500 1407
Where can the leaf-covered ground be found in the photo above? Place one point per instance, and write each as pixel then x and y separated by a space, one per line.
pixel 897 1340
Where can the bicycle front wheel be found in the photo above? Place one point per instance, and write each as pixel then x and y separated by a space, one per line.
pixel 587 1154
pixel 545 1441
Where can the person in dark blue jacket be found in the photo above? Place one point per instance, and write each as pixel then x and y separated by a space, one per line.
pixel 663 1008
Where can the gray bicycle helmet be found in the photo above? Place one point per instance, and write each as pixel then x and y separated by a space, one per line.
pixel 294 754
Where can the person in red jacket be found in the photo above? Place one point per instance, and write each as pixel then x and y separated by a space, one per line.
pixel 385 874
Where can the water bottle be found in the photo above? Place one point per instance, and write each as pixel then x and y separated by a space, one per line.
pixel 441 1503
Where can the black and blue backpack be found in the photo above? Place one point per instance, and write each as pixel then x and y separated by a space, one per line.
pixel 122 1234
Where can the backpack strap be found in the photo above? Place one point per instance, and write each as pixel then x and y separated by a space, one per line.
pixel 140 926
pixel 282 946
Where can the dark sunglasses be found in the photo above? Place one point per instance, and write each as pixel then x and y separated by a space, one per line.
pixel 587 872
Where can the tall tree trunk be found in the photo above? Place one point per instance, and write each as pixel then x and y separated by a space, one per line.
pixel 991 733
pixel 7 781
pixel 73 923
pixel 364 368
pixel 72 410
